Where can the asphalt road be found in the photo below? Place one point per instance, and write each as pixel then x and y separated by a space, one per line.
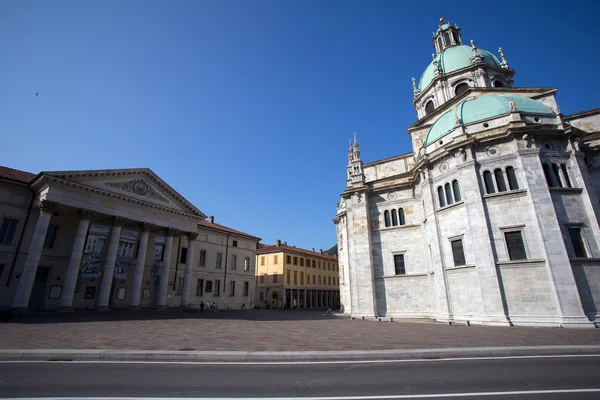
pixel 472 376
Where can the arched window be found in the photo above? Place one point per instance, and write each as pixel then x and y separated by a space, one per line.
pixel 488 181
pixel 566 175
pixel 456 190
pixel 455 37
pixel 498 84
pixel 556 172
pixel 447 38
pixel 441 196
pixel 386 218
pixel 449 199
pixel 500 180
pixel 429 107
pixel 440 45
pixel 549 180
pixel 394 218
pixel 461 88
pixel 401 216
pixel 512 178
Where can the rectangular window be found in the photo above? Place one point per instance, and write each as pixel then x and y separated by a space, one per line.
pixel 577 240
pixel 246 288
pixel 275 278
pixel 234 243
pixel 217 291
pixel 233 261
pixel 262 279
pixel 183 255
pixel 314 279
pixel 307 279
pixel 180 286
pixel 515 245
pixel 202 262
pixel 314 264
pixel 219 260
pixel 262 296
pixel 247 264
pixel 262 260
pixel 287 278
pixel 458 252
pixel 7 230
pixel 231 288
pixel 200 287
pixel 50 236
pixel 289 259
pixel 399 264
pixel 301 278
pixel 295 260
pixel 208 287
pixel 275 260
pixel 295 277
pixel 319 279
pixel 302 262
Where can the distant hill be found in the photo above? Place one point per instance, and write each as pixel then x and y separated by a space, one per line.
pixel 332 251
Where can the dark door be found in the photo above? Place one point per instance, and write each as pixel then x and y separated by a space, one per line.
pixel 36 300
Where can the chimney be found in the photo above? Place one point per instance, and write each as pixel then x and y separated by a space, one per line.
pixel 321 251
pixel 211 219
pixel 313 249
pixel 278 242
pixel 285 243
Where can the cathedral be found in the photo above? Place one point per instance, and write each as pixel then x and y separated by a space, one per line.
pixel 492 218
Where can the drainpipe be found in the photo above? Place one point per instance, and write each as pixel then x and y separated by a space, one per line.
pixel 12 265
pixel 226 261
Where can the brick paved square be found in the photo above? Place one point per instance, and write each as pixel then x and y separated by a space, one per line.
pixel 262 330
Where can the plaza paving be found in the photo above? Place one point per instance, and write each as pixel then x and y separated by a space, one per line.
pixel 262 330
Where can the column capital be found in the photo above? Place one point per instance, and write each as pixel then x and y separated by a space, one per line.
pixel 85 214
pixel 117 221
pixel 145 227
pixel 45 206
pixel 192 236
pixel 170 231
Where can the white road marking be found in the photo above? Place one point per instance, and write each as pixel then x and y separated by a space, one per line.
pixel 297 362
pixel 385 397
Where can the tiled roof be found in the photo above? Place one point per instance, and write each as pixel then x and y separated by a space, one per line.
pixel 263 249
pixel 16 175
pixel 218 227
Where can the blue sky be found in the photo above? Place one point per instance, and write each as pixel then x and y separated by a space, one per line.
pixel 246 107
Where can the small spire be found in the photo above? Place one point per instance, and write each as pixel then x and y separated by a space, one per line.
pixel 504 63
pixel 476 55
pixel 354 137
pixel 414 85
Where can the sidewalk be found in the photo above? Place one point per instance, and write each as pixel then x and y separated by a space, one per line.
pixel 269 335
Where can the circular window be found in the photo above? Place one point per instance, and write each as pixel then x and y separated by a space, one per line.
pixel 498 84
pixel 548 146
pixel 536 119
pixel 441 142
pixel 461 88
pixel 486 125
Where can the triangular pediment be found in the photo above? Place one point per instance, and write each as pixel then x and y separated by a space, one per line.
pixel 141 184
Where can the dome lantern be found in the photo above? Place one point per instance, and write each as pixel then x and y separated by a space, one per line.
pixel 446 36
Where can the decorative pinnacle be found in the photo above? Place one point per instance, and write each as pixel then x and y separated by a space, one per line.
pixel 476 55
pixel 441 19
pixel 473 44
pixel 504 63
pixel 414 85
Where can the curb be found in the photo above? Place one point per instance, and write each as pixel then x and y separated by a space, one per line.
pixel 288 356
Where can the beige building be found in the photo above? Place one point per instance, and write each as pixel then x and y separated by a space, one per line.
pixel 290 277
pixel 114 239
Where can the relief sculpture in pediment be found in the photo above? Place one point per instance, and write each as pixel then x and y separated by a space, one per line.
pixel 139 187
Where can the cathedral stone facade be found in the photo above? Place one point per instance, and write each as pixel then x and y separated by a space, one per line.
pixel 492 219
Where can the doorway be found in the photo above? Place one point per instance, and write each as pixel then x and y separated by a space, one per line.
pixel 275 300
pixel 38 290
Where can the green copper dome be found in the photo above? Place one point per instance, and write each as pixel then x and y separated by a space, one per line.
pixel 480 109
pixel 454 58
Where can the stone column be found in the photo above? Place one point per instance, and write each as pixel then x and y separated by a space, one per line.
pixel 66 299
pixel 109 264
pixel 140 261
pixel 305 304
pixel 297 298
pixel 164 272
pixel 284 297
pixel 187 277
pixel 21 299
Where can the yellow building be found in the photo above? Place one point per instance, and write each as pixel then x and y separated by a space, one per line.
pixel 290 277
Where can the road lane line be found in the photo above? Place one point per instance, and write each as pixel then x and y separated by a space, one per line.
pixel 385 397
pixel 296 362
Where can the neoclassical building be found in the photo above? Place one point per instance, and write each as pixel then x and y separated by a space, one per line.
pixel 491 219
pixel 107 239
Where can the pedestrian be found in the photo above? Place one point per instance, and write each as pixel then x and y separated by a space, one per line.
pixel 214 307
pixel 243 306
pixel 201 306
pixel 207 306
